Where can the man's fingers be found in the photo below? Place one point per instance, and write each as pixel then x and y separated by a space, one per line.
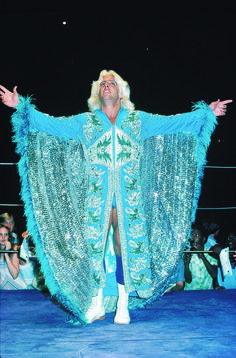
pixel 3 89
pixel 227 101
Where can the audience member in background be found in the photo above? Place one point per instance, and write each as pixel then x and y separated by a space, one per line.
pixel 213 231
pixel 200 268
pixel 229 281
pixel 10 279
pixel 214 244
pixel 27 262
pixel 29 265
pixel 8 220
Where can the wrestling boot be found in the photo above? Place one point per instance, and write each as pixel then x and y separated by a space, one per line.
pixel 96 311
pixel 122 311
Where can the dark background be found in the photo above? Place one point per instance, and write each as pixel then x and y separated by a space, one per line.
pixel 171 57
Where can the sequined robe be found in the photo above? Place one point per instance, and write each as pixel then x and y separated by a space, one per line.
pixel 70 169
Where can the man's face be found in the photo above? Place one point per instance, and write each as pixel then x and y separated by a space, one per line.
pixel 108 89
pixel 196 236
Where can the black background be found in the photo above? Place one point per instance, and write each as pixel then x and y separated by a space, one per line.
pixel 170 57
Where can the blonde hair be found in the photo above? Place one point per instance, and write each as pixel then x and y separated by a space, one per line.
pixel 94 100
pixel 5 217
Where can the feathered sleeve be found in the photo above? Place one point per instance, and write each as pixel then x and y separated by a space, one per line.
pixel 197 122
pixel 28 118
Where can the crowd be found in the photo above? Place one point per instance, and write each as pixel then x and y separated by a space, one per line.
pixel 19 267
pixel 203 265
pixel 200 267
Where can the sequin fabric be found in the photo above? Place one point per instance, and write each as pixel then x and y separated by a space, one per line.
pixel 71 168
pixel 169 176
pixel 59 183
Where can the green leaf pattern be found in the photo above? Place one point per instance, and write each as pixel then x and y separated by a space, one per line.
pixel 127 147
pixel 92 126
pixel 133 122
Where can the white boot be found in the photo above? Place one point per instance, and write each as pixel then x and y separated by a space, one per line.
pixel 122 311
pixel 96 311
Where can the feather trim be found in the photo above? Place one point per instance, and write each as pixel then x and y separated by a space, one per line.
pixel 20 126
pixel 202 110
pixel 20 122
pixel 203 113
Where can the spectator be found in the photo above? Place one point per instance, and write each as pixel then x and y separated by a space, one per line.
pixel 10 279
pixel 27 264
pixel 199 270
pixel 229 281
pixel 214 244
pixel 8 220
pixel 213 231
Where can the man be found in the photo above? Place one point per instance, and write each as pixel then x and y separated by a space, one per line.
pixel 99 169
pixel 200 271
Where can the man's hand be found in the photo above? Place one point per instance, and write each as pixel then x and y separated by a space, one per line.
pixel 198 247
pixel 10 99
pixel 187 257
pixel 220 108
pixel 216 249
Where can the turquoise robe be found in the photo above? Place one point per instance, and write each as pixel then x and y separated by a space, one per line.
pixel 70 169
